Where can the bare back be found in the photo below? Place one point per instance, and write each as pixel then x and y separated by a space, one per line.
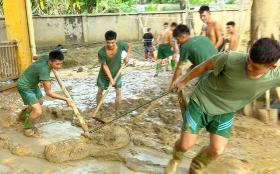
pixel 165 37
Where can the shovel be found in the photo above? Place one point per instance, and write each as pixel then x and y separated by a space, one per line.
pixel 182 102
pixel 74 107
pixel 267 115
pixel 107 91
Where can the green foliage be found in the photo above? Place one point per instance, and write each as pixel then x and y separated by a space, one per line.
pixel 152 7
pixel 230 1
pixel 200 1
pixel 59 7
pixel 114 6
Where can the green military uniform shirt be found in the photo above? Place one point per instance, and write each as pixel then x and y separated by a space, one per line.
pixel 35 73
pixel 114 64
pixel 197 49
pixel 228 88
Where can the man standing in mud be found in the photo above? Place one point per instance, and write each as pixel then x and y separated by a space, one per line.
pixel 212 29
pixel 27 86
pixel 235 80
pixel 165 41
pixel 196 49
pixel 110 57
pixel 148 45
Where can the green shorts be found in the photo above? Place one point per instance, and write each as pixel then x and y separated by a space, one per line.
pixel 30 96
pixel 103 82
pixel 164 51
pixel 195 119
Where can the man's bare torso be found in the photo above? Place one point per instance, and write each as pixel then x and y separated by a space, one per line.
pixel 165 36
pixel 211 32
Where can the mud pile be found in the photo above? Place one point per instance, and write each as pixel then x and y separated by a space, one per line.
pixel 109 139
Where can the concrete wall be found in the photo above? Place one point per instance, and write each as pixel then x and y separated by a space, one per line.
pixel 91 28
pixel 79 29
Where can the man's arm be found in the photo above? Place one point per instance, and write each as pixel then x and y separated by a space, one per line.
pixel 219 35
pixel 158 38
pixel 50 93
pixel 195 72
pixel 203 30
pixel 233 42
pixel 128 53
pixel 108 73
pixel 170 38
pixel 177 72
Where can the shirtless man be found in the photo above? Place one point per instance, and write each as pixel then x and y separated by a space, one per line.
pixel 165 41
pixel 234 37
pixel 213 30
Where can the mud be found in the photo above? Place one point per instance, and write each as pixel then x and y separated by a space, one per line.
pixel 141 142
pixel 109 139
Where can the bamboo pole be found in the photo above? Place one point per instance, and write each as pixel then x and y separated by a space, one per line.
pixel 182 102
pixel 74 107
pixel 108 90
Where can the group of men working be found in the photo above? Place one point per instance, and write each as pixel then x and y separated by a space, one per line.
pixel 167 45
pixel 228 81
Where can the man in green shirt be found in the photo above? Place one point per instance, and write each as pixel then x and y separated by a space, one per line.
pixel 27 86
pixel 110 57
pixel 196 49
pixel 236 80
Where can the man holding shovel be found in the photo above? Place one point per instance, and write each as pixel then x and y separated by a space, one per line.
pixel 27 86
pixel 196 49
pixel 110 57
pixel 236 80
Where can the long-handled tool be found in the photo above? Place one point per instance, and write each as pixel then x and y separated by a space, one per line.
pixel 268 114
pixel 182 102
pixel 108 90
pixel 124 115
pixel 74 107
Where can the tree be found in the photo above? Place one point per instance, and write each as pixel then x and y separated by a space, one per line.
pixel 263 16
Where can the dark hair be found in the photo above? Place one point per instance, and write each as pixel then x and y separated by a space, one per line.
pixel 165 23
pixel 56 55
pixel 232 23
pixel 203 9
pixel 181 29
pixel 265 51
pixel 110 35
pixel 149 29
pixel 173 24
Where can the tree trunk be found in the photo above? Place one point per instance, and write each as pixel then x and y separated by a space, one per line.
pixel 264 19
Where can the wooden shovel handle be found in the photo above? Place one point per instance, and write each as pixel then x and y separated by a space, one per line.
pixel 182 103
pixel 74 107
pixel 108 90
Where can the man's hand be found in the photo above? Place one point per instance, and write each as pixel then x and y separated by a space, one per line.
pixel 35 57
pixel 112 81
pixel 172 85
pixel 181 85
pixel 126 60
pixel 69 101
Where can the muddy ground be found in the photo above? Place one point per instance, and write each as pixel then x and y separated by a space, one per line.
pixel 140 143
